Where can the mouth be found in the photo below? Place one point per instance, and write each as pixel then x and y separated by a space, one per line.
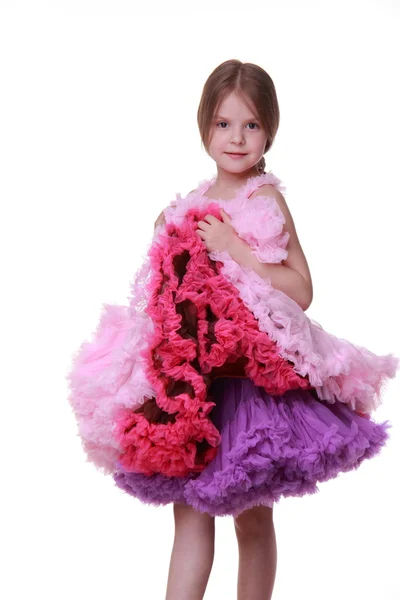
pixel 236 153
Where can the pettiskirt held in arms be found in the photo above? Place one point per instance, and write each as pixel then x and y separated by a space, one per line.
pixel 213 389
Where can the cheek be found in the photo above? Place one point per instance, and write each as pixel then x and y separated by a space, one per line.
pixel 216 141
pixel 262 142
pixel 219 137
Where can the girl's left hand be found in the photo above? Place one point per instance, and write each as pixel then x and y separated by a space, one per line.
pixel 217 235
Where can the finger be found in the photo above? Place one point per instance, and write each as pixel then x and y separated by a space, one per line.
pixel 203 226
pixel 225 216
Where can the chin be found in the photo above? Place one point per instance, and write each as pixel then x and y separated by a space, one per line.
pixel 238 166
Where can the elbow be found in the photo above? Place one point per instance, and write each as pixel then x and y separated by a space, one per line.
pixel 307 297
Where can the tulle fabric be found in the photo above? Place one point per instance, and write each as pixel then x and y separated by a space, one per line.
pixel 141 388
pixel 271 447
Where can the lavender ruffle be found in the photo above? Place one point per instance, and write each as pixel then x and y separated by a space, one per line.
pixel 271 447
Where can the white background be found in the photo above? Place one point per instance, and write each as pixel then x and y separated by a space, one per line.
pixel 98 133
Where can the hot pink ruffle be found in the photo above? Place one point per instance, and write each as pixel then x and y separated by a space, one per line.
pixel 199 323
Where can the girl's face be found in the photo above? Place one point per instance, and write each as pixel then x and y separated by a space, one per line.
pixel 236 129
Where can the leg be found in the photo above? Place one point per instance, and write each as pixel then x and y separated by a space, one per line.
pixel 255 533
pixel 192 554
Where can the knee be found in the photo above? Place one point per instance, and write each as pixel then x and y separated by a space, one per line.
pixel 254 523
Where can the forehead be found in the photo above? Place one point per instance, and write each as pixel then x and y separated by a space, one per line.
pixel 234 106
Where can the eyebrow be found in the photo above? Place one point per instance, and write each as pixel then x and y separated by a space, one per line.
pixel 225 118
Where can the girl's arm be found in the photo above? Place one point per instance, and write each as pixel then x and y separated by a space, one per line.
pixel 292 276
pixel 160 219
pixel 282 278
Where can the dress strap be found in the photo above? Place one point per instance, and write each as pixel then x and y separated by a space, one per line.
pixel 205 185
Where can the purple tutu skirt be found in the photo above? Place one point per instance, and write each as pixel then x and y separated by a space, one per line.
pixel 271 447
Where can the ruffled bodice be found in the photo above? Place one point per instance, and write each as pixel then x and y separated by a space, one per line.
pixel 258 221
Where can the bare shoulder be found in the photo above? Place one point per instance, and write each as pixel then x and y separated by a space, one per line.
pixel 296 259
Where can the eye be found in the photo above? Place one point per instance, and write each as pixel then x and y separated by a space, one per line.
pixel 224 123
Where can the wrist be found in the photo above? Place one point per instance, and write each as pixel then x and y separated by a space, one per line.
pixel 233 243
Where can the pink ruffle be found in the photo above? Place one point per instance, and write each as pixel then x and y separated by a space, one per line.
pixel 107 373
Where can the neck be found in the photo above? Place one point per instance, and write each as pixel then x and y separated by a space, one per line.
pixel 232 181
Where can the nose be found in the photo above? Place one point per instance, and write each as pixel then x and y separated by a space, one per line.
pixel 237 136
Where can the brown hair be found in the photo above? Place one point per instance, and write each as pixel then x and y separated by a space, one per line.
pixel 250 82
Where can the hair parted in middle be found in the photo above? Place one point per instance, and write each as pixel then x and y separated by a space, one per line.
pixel 253 85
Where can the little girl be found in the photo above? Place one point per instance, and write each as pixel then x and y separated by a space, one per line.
pixel 222 396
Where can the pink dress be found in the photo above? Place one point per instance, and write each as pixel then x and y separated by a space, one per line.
pixel 213 388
